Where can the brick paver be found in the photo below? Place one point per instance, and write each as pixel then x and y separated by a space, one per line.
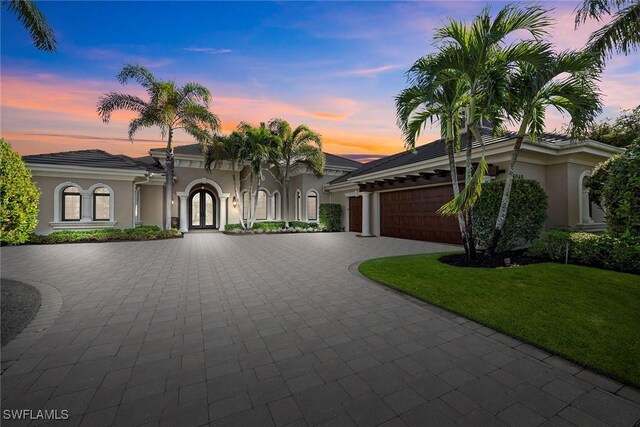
pixel 272 330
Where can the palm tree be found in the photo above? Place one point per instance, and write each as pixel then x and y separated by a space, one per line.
pixel 477 55
pixel 33 21
pixel 170 108
pixel 533 90
pixel 228 149
pixel 429 102
pixel 300 145
pixel 621 35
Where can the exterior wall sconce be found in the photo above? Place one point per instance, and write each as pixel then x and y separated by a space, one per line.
pixel 235 202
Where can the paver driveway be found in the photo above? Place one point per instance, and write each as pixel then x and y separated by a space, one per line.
pixel 265 330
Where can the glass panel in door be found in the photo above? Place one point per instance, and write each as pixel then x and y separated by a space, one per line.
pixel 208 210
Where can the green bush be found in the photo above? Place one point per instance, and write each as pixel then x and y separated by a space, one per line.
pixel 18 198
pixel 151 232
pixel 331 216
pixel 616 183
pixel 268 225
pixel 525 216
pixel 303 225
pixel 595 250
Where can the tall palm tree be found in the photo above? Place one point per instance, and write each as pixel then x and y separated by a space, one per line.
pixel 425 102
pixel 566 82
pixel 170 107
pixel 299 145
pixel 478 55
pixel 228 149
pixel 247 146
pixel 621 35
pixel 33 21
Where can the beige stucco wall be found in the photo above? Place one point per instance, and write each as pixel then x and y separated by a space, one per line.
pixel 152 204
pixel 122 198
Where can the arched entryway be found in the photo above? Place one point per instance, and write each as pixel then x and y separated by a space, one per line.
pixel 202 209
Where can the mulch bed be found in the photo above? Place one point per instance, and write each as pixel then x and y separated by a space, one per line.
pixel 20 304
pixel 498 260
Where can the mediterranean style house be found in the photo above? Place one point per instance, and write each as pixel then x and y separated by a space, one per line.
pixel 395 196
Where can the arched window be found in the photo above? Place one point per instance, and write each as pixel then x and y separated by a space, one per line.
pixel 312 205
pixel 71 204
pixel 275 205
pixel 261 206
pixel 101 204
pixel 298 205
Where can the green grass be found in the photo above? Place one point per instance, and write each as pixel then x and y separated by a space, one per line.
pixel 587 315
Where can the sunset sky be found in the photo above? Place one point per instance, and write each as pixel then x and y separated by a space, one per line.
pixel 333 66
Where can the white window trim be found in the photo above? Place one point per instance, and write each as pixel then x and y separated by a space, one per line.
pixel 306 204
pixel 86 209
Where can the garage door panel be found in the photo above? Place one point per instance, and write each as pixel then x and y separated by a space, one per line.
pixel 412 214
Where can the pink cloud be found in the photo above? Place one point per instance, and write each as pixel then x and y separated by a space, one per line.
pixel 369 71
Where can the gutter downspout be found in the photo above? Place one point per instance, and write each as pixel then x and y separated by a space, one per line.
pixel 147 178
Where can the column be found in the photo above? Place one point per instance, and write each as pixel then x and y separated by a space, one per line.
pixel 184 212
pixel 366 214
pixel 223 210
pixel 86 213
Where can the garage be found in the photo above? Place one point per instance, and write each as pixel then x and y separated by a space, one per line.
pixel 355 214
pixel 411 214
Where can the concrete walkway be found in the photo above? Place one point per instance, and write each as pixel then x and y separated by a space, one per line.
pixel 272 330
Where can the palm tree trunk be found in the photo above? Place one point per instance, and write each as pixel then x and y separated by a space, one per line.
pixel 169 170
pixel 237 196
pixel 470 238
pixel 506 194
pixel 287 184
pixel 456 191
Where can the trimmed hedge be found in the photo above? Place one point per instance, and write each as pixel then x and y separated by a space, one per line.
pixel 594 250
pixel 331 216
pixel 18 198
pixel 303 224
pixel 146 232
pixel 525 216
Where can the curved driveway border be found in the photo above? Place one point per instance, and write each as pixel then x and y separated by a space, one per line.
pixel 50 305
pixel 585 374
pixel 275 331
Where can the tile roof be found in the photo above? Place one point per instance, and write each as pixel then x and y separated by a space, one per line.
pixel 434 150
pixel 332 159
pixel 88 158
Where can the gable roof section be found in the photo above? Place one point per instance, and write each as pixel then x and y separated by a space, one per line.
pixel 434 150
pixel 88 158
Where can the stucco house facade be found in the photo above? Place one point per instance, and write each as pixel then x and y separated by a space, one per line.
pixel 395 196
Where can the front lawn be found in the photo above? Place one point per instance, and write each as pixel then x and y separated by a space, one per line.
pixel 585 314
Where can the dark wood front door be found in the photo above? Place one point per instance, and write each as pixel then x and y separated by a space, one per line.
pixel 202 209
pixel 355 214
pixel 412 214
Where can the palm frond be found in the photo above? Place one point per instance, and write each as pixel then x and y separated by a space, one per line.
pixel 34 21
pixel 469 194
pixel 113 101
pixel 138 73
pixel 621 35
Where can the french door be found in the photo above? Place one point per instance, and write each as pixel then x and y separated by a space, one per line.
pixel 202 210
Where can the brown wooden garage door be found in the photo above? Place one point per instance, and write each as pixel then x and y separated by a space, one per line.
pixel 411 214
pixel 355 214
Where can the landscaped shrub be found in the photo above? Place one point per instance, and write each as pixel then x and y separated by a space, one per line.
pixel 331 216
pixel 525 216
pixel 595 250
pixel 302 224
pixel 18 198
pixel 616 183
pixel 139 233
pixel 268 225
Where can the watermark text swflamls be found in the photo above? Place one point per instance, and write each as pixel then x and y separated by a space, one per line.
pixel 40 414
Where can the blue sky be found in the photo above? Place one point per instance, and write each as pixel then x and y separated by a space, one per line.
pixel 334 66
